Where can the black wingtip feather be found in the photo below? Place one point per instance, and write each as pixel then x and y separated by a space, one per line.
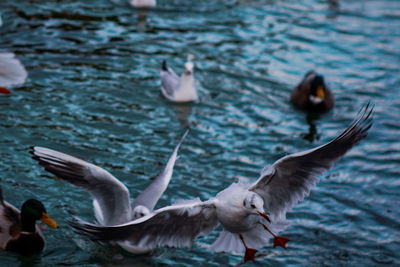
pixel 1 196
pixel 164 65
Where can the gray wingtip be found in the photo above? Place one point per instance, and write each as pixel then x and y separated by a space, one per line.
pixel 185 134
pixel 182 138
pixel 31 149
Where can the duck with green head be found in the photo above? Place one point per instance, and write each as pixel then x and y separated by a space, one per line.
pixel 18 230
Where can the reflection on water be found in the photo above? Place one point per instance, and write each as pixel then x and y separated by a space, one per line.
pixel 312 134
pixel 334 8
pixel 93 90
pixel 182 112
pixel 142 19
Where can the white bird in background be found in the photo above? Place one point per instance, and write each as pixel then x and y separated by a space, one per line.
pixel 12 72
pixel 240 208
pixel 143 3
pixel 111 202
pixel 178 89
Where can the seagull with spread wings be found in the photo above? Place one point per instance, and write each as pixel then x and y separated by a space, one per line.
pixel 111 202
pixel 241 207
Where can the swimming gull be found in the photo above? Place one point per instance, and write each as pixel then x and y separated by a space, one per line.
pixel 178 89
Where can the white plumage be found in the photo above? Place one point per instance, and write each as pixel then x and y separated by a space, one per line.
pixel 178 89
pixel 111 197
pixel 143 3
pixel 12 72
pixel 240 207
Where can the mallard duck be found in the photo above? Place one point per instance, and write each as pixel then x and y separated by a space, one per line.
pixel 312 94
pixel 18 230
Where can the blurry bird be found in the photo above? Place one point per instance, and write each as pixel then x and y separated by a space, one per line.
pixel 111 198
pixel 143 3
pixel 18 230
pixel 240 208
pixel 178 89
pixel 12 72
pixel 312 94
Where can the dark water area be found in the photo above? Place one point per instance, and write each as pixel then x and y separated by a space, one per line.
pixel 94 91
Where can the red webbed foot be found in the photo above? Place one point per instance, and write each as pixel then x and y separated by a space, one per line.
pixel 4 90
pixel 249 254
pixel 280 241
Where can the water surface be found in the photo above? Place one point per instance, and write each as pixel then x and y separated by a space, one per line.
pixel 93 91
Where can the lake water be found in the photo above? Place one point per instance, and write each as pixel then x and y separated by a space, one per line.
pixel 93 91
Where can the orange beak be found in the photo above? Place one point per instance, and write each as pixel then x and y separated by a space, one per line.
pixel 47 220
pixel 320 92
pixel 265 216
pixel 4 90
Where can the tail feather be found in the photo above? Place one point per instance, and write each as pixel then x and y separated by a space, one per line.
pixel 255 238
pixel 227 242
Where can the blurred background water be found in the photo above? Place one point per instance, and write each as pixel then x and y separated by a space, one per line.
pixel 93 91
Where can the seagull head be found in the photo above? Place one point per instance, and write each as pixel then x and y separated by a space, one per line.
pixel 139 212
pixel 189 68
pixel 254 204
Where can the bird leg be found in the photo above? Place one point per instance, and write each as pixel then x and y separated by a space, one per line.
pixel 250 252
pixel 279 241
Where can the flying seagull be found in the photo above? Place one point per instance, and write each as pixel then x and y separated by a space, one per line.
pixel 111 202
pixel 241 207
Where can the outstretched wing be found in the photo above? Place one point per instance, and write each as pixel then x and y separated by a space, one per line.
pixel 289 180
pixel 153 192
pixel 173 226
pixel 109 193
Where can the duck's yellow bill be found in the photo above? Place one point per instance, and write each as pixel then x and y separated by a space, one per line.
pixel 320 92
pixel 47 220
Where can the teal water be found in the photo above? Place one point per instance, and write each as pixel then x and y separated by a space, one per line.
pixel 93 91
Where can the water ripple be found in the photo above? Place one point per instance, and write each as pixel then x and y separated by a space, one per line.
pixel 93 91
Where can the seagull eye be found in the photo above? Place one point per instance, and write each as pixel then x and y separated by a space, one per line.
pixel 253 206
